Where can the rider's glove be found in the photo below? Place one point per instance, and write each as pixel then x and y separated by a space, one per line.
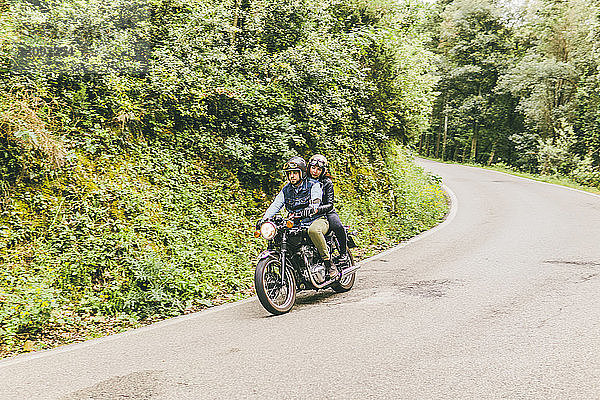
pixel 307 212
pixel 259 224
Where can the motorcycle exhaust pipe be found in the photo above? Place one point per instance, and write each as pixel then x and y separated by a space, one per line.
pixel 350 270
pixel 330 281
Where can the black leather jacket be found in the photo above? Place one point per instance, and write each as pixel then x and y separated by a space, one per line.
pixel 326 206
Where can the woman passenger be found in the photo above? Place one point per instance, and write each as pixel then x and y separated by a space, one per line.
pixel 318 168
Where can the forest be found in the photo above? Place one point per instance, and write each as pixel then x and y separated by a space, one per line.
pixel 141 140
pixel 518 85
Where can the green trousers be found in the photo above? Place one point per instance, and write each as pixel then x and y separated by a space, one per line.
pixel 316 232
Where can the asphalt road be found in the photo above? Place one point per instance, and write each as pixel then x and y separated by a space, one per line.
pixel 501 301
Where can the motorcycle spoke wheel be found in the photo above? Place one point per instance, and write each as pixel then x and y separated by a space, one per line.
pixel 275 292
pixel 275 297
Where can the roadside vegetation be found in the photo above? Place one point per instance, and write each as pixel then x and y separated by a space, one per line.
pixel 554 179
pixel 141 140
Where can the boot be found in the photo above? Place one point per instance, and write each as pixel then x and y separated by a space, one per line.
pixel 344 261
pixel 333 272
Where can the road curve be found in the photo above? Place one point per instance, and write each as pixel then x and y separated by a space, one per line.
pixel 500 302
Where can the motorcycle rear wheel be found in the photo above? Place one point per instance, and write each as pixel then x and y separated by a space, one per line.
pixel 346 283
pixel 274 297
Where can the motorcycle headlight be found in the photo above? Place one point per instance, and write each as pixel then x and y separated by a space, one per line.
pixel 268 230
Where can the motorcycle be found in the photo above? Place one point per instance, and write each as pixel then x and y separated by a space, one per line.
pixel 292 263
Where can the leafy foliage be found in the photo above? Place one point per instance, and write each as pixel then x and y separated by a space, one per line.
pixel 519 84
pixel 140 140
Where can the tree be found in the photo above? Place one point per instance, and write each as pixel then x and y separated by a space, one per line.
pixel 474 44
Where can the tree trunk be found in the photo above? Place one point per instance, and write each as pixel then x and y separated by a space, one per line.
pixel 456 149
pixel 474 142
pixel 445 140
pixel 492 153
pixel 236 10
pixel 437 142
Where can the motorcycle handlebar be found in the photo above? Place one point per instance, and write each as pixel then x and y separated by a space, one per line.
pixel 292 221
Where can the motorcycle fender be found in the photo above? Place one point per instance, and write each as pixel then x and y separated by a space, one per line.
pixel 267 254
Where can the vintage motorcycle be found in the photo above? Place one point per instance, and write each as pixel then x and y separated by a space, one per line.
pixel 292 263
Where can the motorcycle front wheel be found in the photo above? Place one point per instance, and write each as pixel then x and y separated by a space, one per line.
pixel 274 297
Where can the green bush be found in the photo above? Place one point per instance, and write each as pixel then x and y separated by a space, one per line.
pixel 585 172
pixel 141 140
pixel 392 204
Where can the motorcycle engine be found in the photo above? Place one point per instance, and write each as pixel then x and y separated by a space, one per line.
pixel 318 273
pixel 316 269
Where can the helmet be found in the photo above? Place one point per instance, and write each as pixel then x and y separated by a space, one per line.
pixel 296 164
pixel 320 161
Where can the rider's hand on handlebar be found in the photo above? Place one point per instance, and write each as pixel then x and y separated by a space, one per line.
pixel 307 212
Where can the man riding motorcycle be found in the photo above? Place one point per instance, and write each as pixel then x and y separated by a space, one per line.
pixel 302 197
